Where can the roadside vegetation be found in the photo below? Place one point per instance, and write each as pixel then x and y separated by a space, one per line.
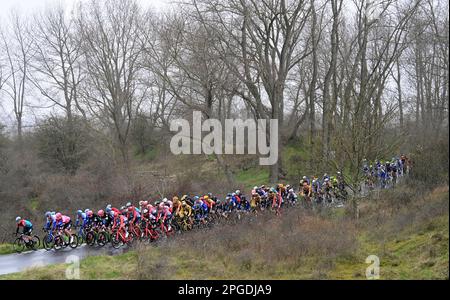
pixel 408 231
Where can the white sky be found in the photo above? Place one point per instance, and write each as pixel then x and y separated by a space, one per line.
pixel 32 5
pixel 28 7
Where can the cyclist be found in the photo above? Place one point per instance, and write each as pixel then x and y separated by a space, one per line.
pixel 254 201
pixel 209 203
pixel 49 220
pixel 305 192
pixel 165 216
pixel 275 197
pixel 133 215
pixel 120 221
pixel 92 219
pixel 27 228
pixel 63 222
pixel 237 200
pixel 292 197
pixel 106 219
pixel 176 205
pixel 327 189
pixel 199 208
pixel 81 218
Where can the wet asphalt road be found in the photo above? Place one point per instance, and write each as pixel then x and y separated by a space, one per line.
pixel 12 263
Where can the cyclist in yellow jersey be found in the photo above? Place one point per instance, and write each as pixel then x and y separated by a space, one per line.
pixel 176 204
pixel 254 201
pixel 185 210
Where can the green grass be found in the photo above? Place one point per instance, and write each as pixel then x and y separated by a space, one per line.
pixel 253 176
pixel 6 248
pixel 34 203
pixel 421 255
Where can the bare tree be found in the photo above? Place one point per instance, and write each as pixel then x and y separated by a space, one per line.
pixel 17 42
pixel 56 66
pixel 109 35
pixel 260 45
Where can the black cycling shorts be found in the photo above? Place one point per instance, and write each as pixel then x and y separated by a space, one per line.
pixel 67 225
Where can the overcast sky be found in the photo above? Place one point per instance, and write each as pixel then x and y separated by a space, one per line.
pixel 28 7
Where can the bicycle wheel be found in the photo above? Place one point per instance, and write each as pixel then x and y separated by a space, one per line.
pixel 19 245
pixel 58 242
pixel 80 238
pixel 116 240
pixel 102 239
pixel 131 239
pixel 73 243
pixel 90 238
pixel 48 242
pixel 35 242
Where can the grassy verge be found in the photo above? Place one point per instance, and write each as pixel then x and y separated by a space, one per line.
pixel 6 248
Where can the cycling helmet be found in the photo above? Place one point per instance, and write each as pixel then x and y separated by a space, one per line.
pixel 238 192
pixel 255 187
pixel 108 209
pixel 196 197
pixel 141 203
pixel 18 219
pixel 90 213
pixel 184 197
pixel 164 200
pixel 183 203
pixel 254 192
pixel 108 206
pixel 291 191
pixel 101 213
pixel 145 203
pixel 116 214
pixel 175 198
pixel 234 194
pixel 210 195
pixel 304 177
pixel 206 197
pixel 128 204
pixel 130 208
pixel 58 216
pixel 86 210
pixel 48 214
pixel 79 212
pixel 145 211
pixel 326 180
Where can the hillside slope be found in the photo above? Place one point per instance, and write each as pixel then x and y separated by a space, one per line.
pixel 407 231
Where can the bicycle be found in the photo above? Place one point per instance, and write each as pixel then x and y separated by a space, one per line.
pixel 31 242
pixel 62 240
pixel 121 237
pixel 48 240
pixel 149 231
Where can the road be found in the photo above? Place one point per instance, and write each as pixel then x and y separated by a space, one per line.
pixel 12 263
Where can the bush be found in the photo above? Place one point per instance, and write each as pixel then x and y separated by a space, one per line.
pixel 63 144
